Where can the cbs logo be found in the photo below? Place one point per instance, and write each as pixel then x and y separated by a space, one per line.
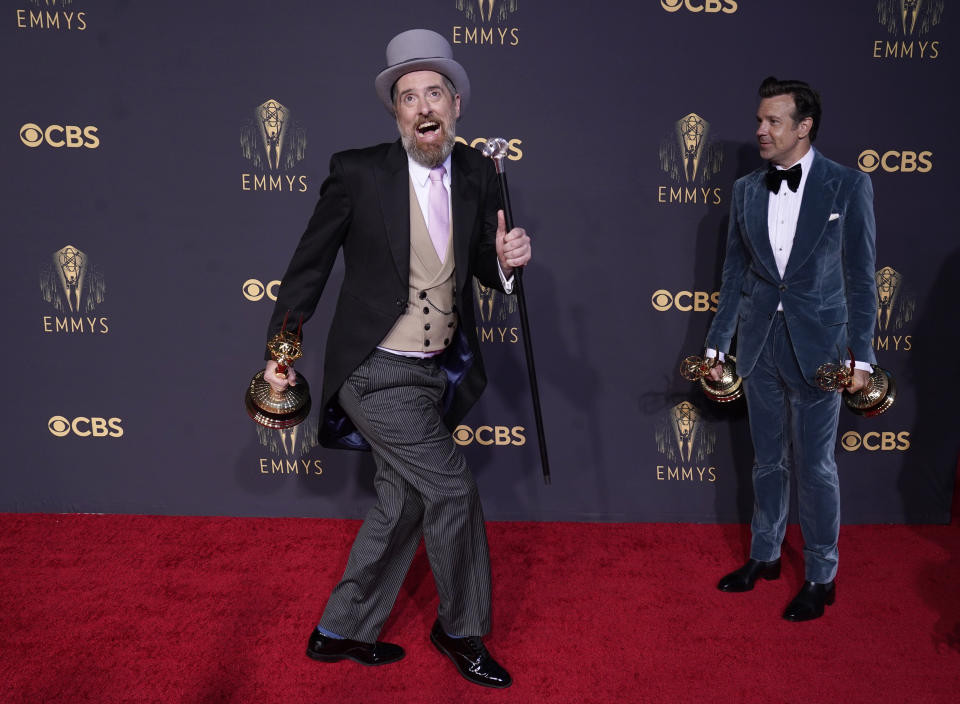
pixel 884 441
pixel 514 152
pixel 254 289
pixel 85 427
pixel 893 161
pixel 663 300
pixel 728 7
pixel 58 136
pixel 490 435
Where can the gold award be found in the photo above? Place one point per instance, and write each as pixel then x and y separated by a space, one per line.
pixel 280 409
pixel 729 387
pixel 872 400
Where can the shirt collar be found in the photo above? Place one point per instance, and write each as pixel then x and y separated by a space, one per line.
pixel 421 174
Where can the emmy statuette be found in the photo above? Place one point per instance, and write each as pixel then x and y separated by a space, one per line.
pixel 729 387
pixel 872 400
pixel 286 408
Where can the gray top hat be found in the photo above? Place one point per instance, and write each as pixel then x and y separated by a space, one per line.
pixel 420 50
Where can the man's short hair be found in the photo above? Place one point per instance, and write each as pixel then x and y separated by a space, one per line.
pixel 805 98
pixel 446 82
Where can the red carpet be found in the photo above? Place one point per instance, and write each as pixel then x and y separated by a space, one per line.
pixel 148 609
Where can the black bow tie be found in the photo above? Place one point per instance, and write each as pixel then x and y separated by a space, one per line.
pixel 777 176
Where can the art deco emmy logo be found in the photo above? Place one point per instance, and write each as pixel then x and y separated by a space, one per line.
pixel 51 14
pixel 488 23
pixel 288 446
pixel 272 141
pixel 689 157
pixel 487 11
pixel 909 17
pixel 492 305
pixel 70 284
pixel 494 309
pixel 687 154
pixel 895 306
pixel 909 23
pixel 293 442
pixel 683 436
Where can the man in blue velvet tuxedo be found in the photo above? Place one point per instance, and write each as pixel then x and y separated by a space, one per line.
pixel 798 290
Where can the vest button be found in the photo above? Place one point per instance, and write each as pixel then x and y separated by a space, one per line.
pixel 450 324
pixel 423 294
pixel 426 343
pixel 427 326
pixel 446 341
pixel 426 311
pixel 783 287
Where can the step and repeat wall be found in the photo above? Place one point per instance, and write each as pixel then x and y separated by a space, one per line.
pixel 161 160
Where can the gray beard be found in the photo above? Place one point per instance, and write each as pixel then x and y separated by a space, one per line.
pixel 431 157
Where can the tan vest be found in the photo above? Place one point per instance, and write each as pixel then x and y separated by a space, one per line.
pixel 429 321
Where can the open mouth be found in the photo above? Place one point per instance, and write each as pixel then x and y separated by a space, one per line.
pixel 428 127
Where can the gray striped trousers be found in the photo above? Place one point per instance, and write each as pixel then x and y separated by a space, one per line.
pixel 424 488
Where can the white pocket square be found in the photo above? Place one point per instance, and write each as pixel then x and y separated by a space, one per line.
pixel 834 216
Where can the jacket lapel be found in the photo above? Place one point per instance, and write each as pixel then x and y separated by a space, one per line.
pixel 465 185
pixel 819 194
pixel 755 208
pixel 393 187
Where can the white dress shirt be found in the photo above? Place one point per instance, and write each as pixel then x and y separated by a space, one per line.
pixel 783 210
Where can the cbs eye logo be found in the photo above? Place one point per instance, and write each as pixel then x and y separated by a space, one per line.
pixel 894 161
pixel 254 289
pixel 700 301
pixel 58 136
pixel 85 427
pixel 727 7
pixel 884 441
pixel 490 435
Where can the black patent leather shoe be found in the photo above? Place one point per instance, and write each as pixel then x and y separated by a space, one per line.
pixel 742 580
pixel 321 647
pixel 809 603
pixel 471 658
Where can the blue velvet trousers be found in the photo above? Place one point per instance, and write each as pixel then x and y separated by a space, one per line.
pixel 793 425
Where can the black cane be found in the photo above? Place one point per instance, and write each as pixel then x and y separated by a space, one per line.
pixel 496 149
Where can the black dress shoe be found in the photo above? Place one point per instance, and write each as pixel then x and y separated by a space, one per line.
pixel 321 647
pixel 809 603
pixel 471 658
pixel 742 580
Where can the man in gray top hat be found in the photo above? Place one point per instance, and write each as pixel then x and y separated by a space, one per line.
pixel 417 220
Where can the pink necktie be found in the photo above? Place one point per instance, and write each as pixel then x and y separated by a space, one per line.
pixel 437 207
